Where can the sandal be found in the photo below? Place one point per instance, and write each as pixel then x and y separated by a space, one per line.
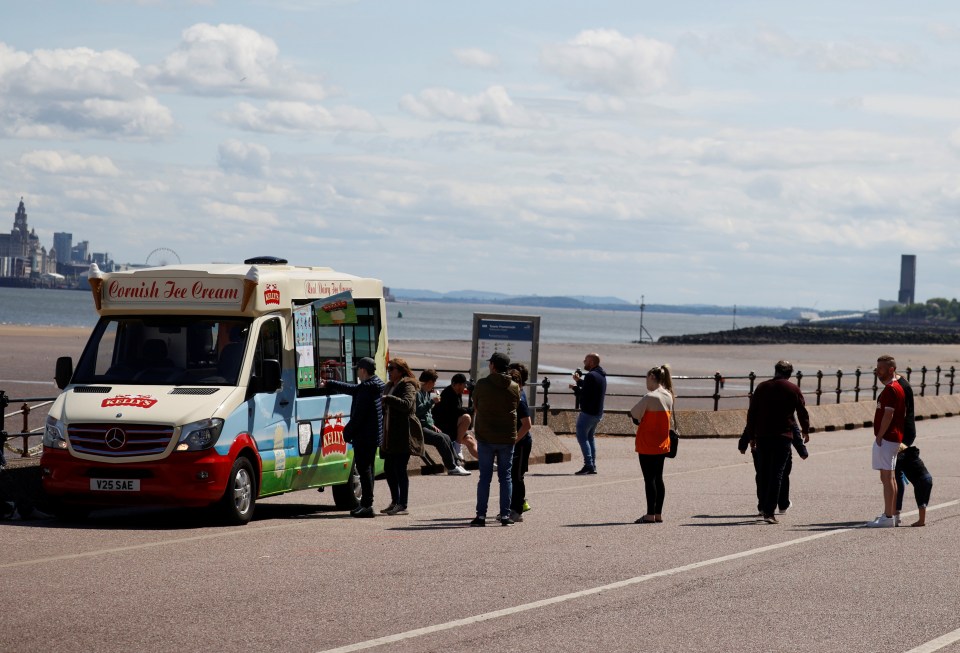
pixel 645 521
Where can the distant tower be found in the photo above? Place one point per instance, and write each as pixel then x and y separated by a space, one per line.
pixel 20 219
pixel 908 278
pixel 63 243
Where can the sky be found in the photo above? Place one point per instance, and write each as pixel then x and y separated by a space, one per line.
pixel 750 152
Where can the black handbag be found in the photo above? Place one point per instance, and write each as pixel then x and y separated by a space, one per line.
pixel 674 437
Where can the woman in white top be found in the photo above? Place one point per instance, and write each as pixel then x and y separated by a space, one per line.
pixel 652 416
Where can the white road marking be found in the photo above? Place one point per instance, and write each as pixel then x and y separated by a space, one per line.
pixel 563 598
pixel 938 643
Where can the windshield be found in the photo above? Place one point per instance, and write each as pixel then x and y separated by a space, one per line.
pixel 168 350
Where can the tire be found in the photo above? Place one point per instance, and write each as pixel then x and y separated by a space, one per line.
pixel 347 495
pixel 236 506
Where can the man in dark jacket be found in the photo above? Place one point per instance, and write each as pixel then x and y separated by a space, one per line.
pixel 452 418
pixel 365 428
pixel 496 398
pixel 590 391
pixel 769 430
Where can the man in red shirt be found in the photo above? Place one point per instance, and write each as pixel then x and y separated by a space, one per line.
pixel 888 424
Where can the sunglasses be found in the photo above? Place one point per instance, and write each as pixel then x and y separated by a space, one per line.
pixel 391 368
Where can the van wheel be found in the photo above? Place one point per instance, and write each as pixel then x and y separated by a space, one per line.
pixel 236 506
pixel 347 495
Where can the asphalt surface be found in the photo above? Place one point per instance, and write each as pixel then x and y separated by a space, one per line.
pixel 576 575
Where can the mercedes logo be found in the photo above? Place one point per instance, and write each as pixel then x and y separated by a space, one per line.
pixel 115 438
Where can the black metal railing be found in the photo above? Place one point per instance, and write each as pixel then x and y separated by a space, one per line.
pixel 943 380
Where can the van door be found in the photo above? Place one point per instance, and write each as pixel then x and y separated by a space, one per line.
pixel 272 419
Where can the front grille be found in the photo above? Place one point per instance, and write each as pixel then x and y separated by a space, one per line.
pixel 120 440
pixel 117 471
pixel 193 391
pixel 93 389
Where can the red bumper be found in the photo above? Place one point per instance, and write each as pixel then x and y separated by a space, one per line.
pixel 183 479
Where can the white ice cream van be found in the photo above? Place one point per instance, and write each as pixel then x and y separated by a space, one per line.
pixel 199 386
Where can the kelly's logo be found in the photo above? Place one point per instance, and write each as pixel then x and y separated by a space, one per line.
pixel 332 441
pixel 134 401
pixel 271 294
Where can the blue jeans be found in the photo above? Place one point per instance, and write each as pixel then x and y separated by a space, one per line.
pixel 586 429
pixel 504 456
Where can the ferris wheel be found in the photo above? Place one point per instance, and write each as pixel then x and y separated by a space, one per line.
pixel 161 257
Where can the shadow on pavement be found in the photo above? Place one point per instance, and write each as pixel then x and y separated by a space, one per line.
pixel 606 523
pixel 443 523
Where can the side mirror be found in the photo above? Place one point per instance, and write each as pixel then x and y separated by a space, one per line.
pixel 64 372
pixel 271 376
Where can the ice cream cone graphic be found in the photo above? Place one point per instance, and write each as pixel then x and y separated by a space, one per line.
pixel 249 286
pixel 95 279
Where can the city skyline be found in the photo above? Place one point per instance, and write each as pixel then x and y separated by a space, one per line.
pixel 691 153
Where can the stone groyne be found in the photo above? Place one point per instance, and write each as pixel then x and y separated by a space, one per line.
pixel 845 334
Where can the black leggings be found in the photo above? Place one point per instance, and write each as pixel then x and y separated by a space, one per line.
pixel 395 469
pixel 652 468
pixel 521 461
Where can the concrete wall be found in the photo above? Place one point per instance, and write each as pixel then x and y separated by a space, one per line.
pixel 730 423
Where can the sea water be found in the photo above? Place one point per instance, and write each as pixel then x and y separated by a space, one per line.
pixel 420 321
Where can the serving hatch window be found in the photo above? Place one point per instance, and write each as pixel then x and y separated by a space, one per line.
pixel 331 335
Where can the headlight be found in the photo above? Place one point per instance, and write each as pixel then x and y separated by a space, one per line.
pixel 53 434
pixel 199 435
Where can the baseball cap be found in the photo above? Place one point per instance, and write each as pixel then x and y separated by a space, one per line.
pixel 499 359
pixel 367 364
pixel 458 378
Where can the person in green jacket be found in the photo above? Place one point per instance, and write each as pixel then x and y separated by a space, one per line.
pixel 495 399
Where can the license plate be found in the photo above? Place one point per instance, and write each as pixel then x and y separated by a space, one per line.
pixel 115 484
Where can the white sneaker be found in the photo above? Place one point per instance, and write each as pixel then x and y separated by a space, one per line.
pixel 881 522
pixel 458 471
pixel 784 510
pixel 896 519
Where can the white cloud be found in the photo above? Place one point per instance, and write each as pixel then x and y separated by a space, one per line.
pixel 490 107
pixel 594 103
pixel 835 56
pixel 248 159
pixel 477 58
pixel 68 163
pixel 77 92
pixel 607 61
pixel 220 60
pixel 299 117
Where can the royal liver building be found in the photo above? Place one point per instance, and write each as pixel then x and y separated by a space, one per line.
pixel 22 257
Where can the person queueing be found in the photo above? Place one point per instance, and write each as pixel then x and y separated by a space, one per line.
pixel 909 465
pixel 523 446
pixel 365 428
pixel 452 418
pixel 783 501
pixel 769 431
pixel 590 391
pixel 652 416
pixel 888 421
pixel 426 399
pixel 495 399
pixel 403 436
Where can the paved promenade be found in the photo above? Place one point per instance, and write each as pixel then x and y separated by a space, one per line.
pixel 576 575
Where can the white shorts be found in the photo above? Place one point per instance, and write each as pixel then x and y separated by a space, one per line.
pixel 885 455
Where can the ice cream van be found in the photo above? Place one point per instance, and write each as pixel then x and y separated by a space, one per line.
pixel 200 386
